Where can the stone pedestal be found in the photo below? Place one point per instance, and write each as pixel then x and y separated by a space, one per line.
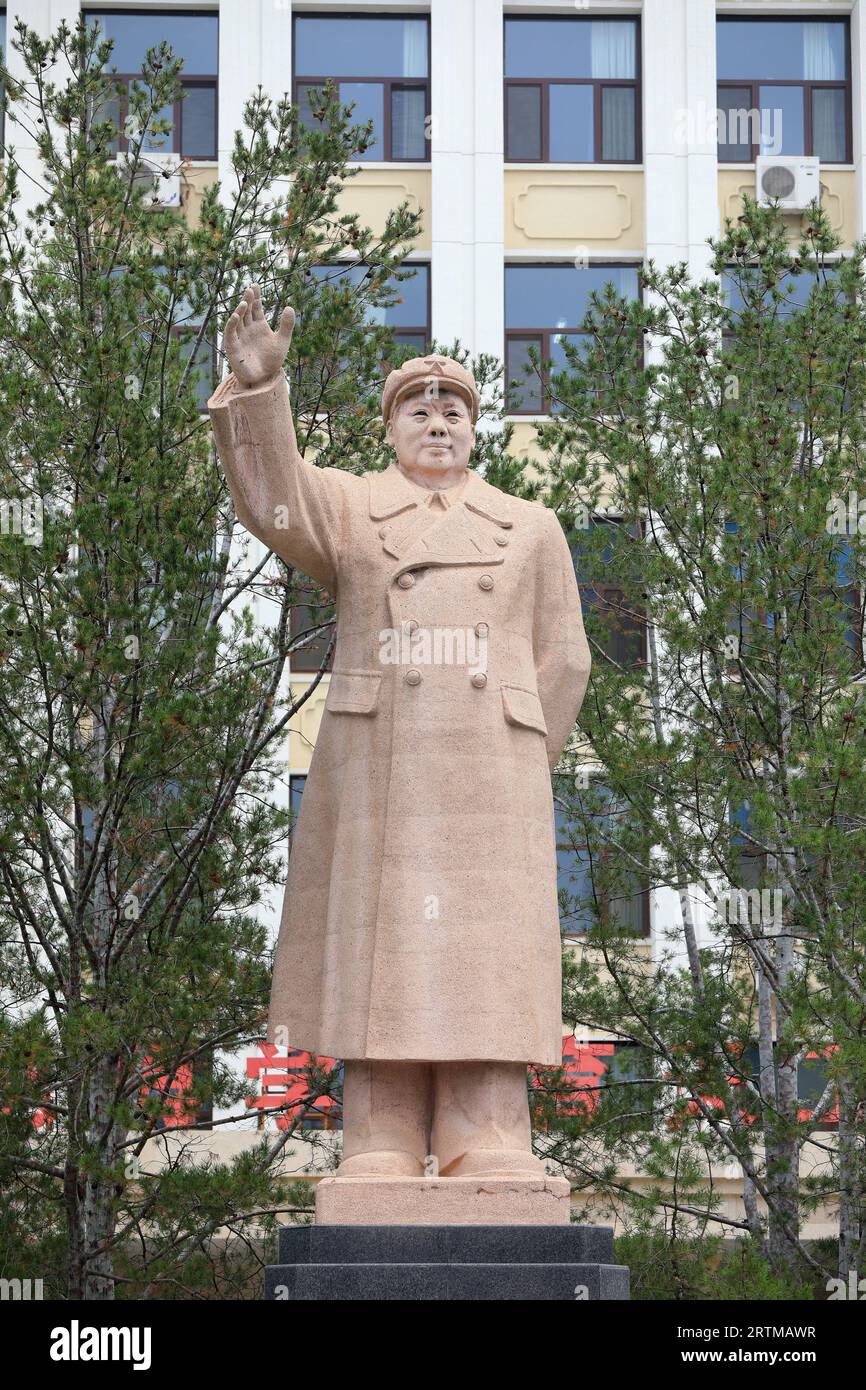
pixel 443 1201
pixel 444 1239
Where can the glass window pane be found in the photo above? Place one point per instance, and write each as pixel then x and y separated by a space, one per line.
pixel 193 37
pixel 618 123
pixel 312 609
pixel 309 97
pixel 408 113
pixel 109 110
pixel 570 47
pixel 523 118
pixel 782 49
pixel 558 360
pixel 622 639
pixel 556 296
pixel 296 791
pixel 410 310
pixel 363 46
pixel 369 104
pixel 829 141
pixel 783 120
pixel 159 143
pixel 417 342
pixel 626 905
pixel 572 129
pixel 202 375
pixel 526 393
pixel 737 126
pixel 198 122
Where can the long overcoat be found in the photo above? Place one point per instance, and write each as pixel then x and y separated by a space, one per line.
pixel 420 919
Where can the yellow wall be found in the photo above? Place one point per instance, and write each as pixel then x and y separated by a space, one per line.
pixel 547 209
pixel 838 198
pixel 304 728
pixel 374 193
pixel 194 179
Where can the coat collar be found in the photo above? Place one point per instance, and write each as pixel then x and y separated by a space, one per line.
pixel 391 492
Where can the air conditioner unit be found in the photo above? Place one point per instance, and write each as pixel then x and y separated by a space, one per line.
pixel 795 180
pixel 158 175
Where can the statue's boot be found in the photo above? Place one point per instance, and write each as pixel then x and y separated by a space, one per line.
pixel 481 1122
pixel 386 1119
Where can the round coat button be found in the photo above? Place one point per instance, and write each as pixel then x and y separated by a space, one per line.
pixel 481 629
pixel 501 540
pixel 406 581
pixel 479 680
pixel 485 582
pixel 412 676
pixel 410 625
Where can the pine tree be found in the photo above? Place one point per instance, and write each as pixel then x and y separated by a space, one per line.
pixel 707 455
pixel 142 711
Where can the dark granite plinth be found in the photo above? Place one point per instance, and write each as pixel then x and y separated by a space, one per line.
pixel 446 1263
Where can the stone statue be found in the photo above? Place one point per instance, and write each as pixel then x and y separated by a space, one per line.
pixel 420 933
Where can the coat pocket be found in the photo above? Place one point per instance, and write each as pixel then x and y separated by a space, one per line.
pixel 523 707
pixel 353 692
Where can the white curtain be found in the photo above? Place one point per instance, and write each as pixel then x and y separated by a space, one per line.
pixel 613 48
pixel 819 63
pixel 414 48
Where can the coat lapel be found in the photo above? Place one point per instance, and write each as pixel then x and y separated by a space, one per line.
pixel 464 534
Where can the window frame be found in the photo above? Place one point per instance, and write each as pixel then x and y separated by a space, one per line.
pixel 597 83
pixel 387 83
pixel 608 921
pixel 546 334
pixel 806 84
pixel 91 13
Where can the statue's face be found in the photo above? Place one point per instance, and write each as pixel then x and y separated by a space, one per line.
pixel 433 437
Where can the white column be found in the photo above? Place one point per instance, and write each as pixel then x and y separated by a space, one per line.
pixel 255 49
pixel 43 16
pixel 679 103
pixel 858 59
pixel 467 174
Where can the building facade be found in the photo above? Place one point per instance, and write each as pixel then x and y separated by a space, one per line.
pixel 549 146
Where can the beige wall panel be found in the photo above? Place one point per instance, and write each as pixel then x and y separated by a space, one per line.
pixel 194 179
pixel 304 728
pixel 374 193
pixel 838 198
pixel 553 210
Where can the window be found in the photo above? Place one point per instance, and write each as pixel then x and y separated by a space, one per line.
pixel 795 289
pixel 296 791
pixel 750 867
pixel 813 1073
pixel 194 38
pixel 545 306
pixel 623 638
pixel 379 63
pixel 746 297
pixel 203 371
pixel 309 614
pixel 830 595
pixel 572 90
pixel 408 313
pixel 592 881
pixel 784 87
pixel 593 1074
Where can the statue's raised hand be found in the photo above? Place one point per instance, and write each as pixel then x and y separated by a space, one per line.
pixel 255 352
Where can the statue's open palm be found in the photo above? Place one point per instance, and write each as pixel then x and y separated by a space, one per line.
pixel 255 352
